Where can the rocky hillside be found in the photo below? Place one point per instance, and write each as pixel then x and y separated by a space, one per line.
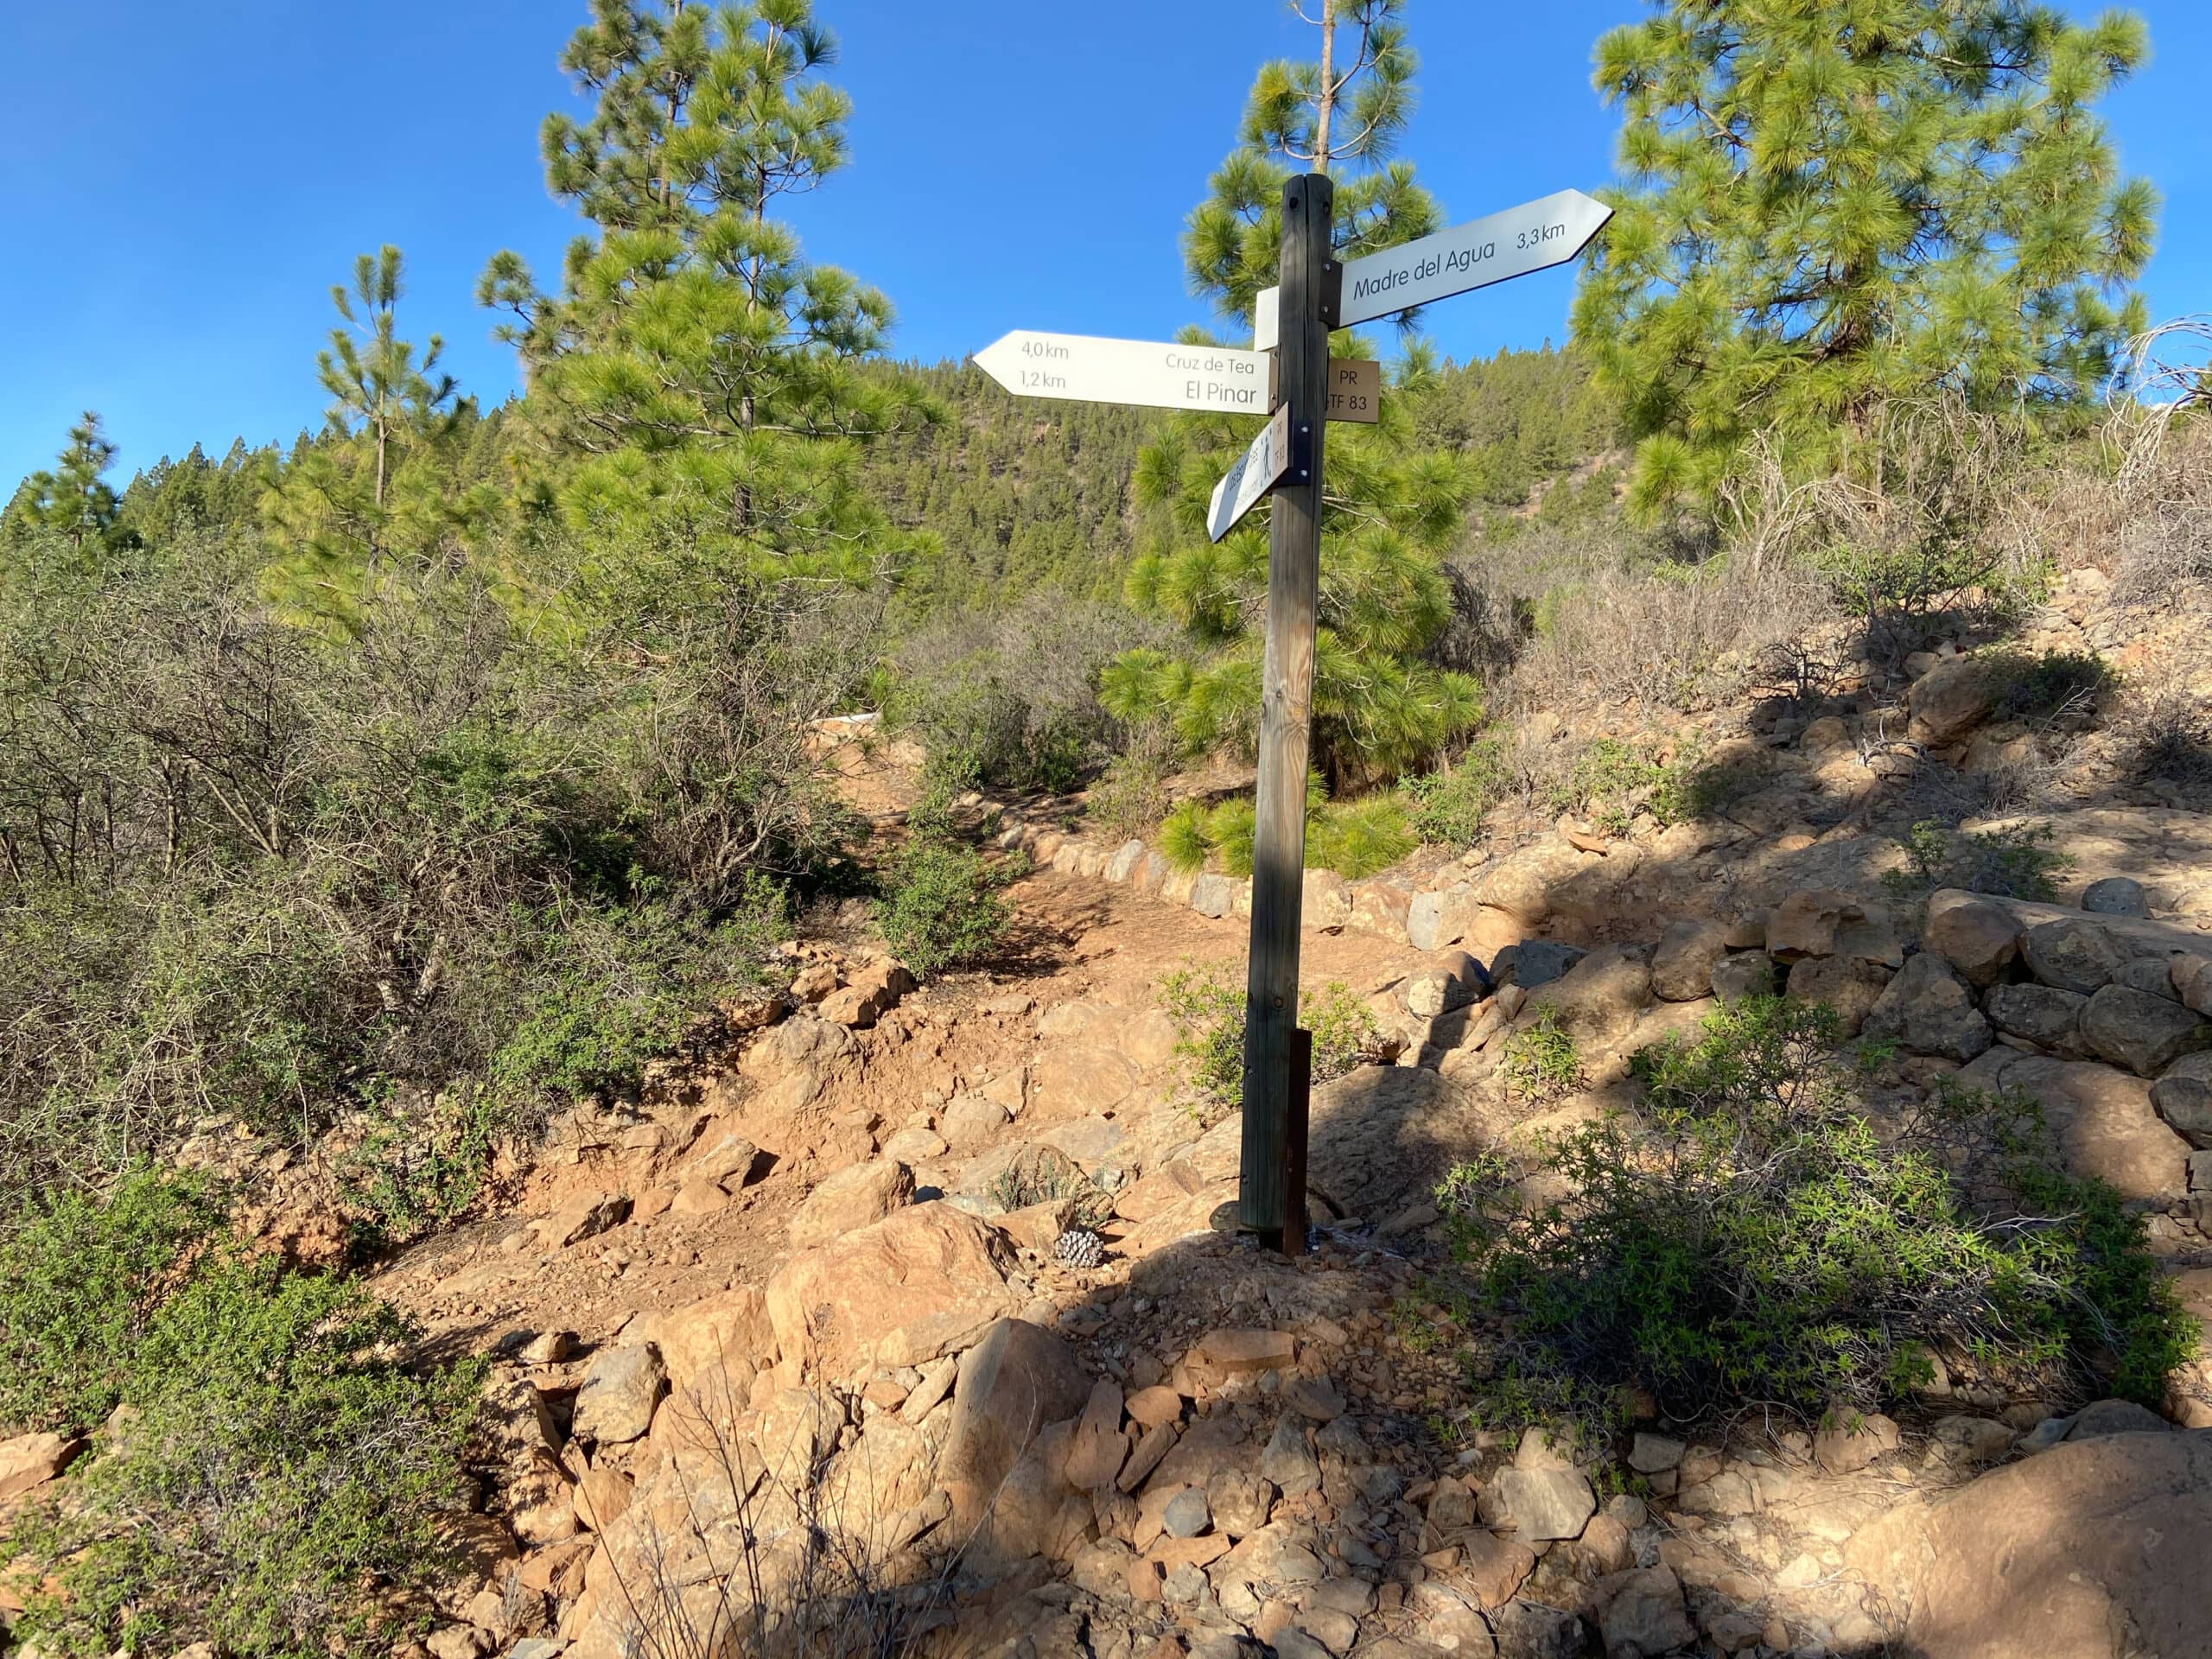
pixel 896 1319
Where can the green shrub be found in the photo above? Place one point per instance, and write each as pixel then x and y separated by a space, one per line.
pixel 1614 779
pixel 1446 808
pixel 1541 1058
pixel 1759 1243
pixel 1209 1015
pixel 2054 685
pixel 2017 862
pixel 943 908
pixel 277 1466
pixel 79 1279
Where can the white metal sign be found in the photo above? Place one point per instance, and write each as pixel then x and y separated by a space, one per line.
pixel 1258 470
pixel 1155 374
pixel 1532 237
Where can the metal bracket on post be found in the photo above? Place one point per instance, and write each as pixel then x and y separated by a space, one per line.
pixel 1333 294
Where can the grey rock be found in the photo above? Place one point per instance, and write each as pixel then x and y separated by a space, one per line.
pixel 1213 895
pixel 2116 895
pixel 1186 1515
pixel 1929 1009
pixel 2075 956
pixel 1644 1613
pixel 1541 1504
pixel 1528 1630
pixel 2186 1104
pixel 2042 1014
pixel 1681 967
pixel 2117 1417
pixel 1317 1397
pixel 1652 1453
pixel 2150 976
pixel 1287 1462
pixel 2143 1032
pixel 1745 973
pixel 621 1390
pixel 1537 962
pixel 1240 1501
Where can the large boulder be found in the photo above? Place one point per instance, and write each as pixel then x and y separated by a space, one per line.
pixel 1949 701
pixel 1600 997
pixel 1850 988
pixel 2103 1122
pixel 1929 1009
pixel 2094 1549
pixel 850 1200
pixel 1681 967
pixel 30 1461
pixel 2041 1014
pixel 730 1328
pixel 922 1282
pixel 2073 953
pixel 2183 1098
pixel 1018 1378
pixel 1977 936
pixel 1523 884
pixel 2144 1034
pixel 621 1389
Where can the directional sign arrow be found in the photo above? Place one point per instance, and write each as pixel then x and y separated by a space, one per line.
pixel 1155 374
pixel 1532 237
pixel 1258 470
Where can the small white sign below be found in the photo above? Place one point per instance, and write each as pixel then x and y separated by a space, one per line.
pixel 1258 470
pixel 1151 374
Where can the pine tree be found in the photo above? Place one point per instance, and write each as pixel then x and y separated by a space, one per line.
pixel 1394 502
pixel 377 492
pixel 74 498
pixel 710 378
pixel 1838 203
pixel 379 389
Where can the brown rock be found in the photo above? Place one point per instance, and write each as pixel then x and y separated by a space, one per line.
pixel 1097 1450
pixel 1681 967
pixel 1493 1567
pixel 29 1461
pixel 1233 1351
pixel 2105 1126
pixel 584 1218
pixel 1641 1612
pixel 2073 953
pixel 1848 1441
pixel 1012 1383
pixel 1154 1405
pixel 850 1200
pixel 1850 987
pixel 926 1278
pixel 1806 924
pixel 1949 701
pixel 2042 1014
pixel 730 1328
pixel 1977 936
pixel 2094 1547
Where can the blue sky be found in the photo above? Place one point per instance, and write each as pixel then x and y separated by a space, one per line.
pixel 181 184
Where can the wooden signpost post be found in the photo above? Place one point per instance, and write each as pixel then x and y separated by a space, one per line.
pixel 1289 376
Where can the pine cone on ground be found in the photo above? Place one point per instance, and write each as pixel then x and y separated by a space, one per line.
pixel 1079 1247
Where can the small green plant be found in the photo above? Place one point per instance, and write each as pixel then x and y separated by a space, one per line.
pixel 1541 1058
pixel 944 909
pixel 1445 808
pixel 2052 686
pixel 279 1471
pixel 1758 1240
pixel 417 1169
pixel 1026 1182
pixel 1615 780
pixel 2017 862
pixel 1209 1015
